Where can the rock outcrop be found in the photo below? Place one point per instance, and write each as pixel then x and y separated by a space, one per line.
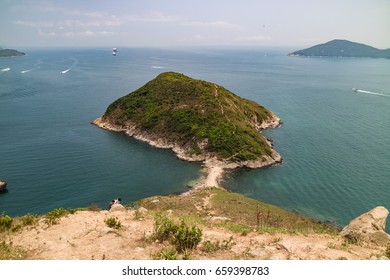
pixel 3 185
pixel 368 227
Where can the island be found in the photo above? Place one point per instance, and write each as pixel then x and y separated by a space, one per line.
pixel 342 48
pixel 200 121
pixel 10 53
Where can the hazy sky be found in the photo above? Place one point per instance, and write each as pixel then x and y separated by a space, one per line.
pixel 175 23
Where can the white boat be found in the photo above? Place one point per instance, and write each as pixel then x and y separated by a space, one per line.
pixel 354 89
pixel 114 51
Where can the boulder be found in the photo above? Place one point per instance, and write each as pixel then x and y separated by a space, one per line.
pixel 3 185
pixel 368 227
pixel 117 207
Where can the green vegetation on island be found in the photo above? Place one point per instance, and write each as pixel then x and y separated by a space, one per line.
pixel 200 117
pixel 10 52
pixel 343 48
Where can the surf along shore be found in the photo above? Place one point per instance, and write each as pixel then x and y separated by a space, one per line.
pixel 214 168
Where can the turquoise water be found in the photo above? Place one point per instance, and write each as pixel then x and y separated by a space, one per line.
pixel 334 141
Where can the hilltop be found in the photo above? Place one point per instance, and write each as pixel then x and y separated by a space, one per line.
pixel 198 120
pixel 220 225
pixel 343 48
pixel 10 53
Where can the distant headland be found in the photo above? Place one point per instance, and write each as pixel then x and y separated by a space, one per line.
pixel 198 120
pixel 10 53
pixel 343 48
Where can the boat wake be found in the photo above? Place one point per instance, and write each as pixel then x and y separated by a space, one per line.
pixel 75 62
pixel 158 67
pixel 373 93
pixel 5 69
pixel 33 69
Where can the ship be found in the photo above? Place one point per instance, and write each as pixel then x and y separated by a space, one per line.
pixel 114 51
pixel 354 89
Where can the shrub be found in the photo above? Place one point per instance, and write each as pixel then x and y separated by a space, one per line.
pixel 28 220
pixel 185 238
pixel 5 222
pixel 387 253
pixel 163 229
pixel 166 254
pixel 113 223
pixel 10 252
pixel 53 216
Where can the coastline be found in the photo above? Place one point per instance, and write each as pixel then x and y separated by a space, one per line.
pixel 214 168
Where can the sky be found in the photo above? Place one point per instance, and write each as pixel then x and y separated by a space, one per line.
pixel 192 23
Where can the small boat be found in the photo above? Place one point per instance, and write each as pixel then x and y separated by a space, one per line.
pixel 3 185
pixel 354 89
pixel 114 51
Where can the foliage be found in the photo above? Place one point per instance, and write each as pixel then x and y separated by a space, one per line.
pixel 188 111
pixel 29 219
pixel 10 252
pixel 53 216
pixel 210 247
pixel 387 253
pixel 186 238
pixel 113 222
pixel 183 237
pixel 166 254
pixel 5 222
pixel 163 228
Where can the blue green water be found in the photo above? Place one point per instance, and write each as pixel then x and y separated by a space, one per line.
pixel 335 142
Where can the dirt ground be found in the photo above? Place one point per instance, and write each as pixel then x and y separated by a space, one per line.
pixel 84 235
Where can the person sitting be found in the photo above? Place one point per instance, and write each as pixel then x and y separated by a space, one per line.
pixel 114 201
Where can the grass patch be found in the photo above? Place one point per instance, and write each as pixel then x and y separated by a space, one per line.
pixel 53 216
pixel 10 252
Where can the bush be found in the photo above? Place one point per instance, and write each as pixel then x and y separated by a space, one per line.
pixel 53 216
pixel 166 254
pixel 113 223
pixel 28 220
pixel 163 229
pixel 5 222
pixel 185 238
pixel 387 253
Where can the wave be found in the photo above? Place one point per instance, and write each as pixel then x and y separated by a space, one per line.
pixel 373 93
pixel 158 67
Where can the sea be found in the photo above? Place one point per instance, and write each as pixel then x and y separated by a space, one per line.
pixel 335 142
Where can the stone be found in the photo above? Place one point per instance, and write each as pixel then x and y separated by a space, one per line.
pixel 117 208
pixel 368 227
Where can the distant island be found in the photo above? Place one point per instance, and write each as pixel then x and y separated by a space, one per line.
pixel 10 53
pixel 198 120
pixel 343 48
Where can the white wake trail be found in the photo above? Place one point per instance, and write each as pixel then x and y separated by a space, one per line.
pixel 373 93
pixel 75 62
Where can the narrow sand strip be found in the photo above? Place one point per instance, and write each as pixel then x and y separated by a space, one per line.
pixel 211 179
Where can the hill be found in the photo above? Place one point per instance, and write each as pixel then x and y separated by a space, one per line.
pixel 343 48
pixel 221 224
pixel 10 52
pixel 198 120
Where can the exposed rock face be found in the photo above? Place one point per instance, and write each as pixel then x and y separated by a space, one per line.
pixel 369 227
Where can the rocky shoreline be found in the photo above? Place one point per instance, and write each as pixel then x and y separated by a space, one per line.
pixel 214 167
